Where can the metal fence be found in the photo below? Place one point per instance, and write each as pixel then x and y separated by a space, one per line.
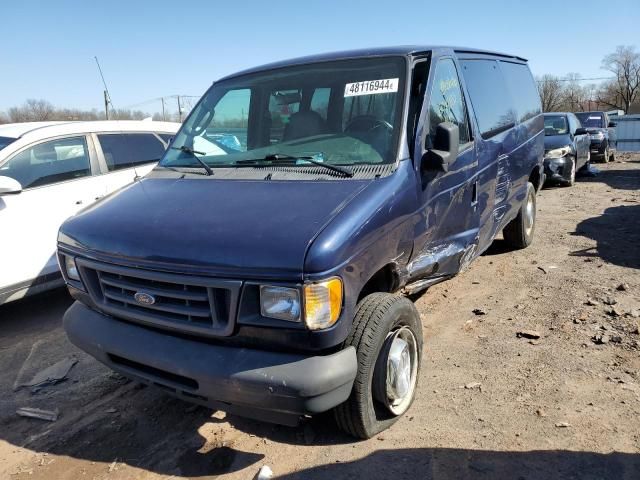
pixel 628 132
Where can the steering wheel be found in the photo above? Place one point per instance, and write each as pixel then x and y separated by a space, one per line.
pixel 367 124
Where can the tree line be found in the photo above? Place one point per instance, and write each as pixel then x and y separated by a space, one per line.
pixel 34 110
pixel 621 92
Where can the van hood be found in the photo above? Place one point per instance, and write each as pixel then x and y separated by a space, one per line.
pixel 236 228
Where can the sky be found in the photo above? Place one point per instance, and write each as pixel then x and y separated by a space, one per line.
pixel 149 49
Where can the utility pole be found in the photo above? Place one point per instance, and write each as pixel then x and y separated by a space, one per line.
pixel 164 119
pixel 179 109
pixel 106 105
pixel 107 97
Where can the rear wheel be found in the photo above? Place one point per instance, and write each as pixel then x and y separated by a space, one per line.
pixel 387 335
pixel 519 232
pixel 612 156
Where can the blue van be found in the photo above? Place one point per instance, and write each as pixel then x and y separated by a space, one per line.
pixel 267 276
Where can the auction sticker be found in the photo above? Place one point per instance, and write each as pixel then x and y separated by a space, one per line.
pixel 371 87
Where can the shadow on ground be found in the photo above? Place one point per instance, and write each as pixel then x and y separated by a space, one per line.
pixel 444 463
pixel 618 179
pixel 617 234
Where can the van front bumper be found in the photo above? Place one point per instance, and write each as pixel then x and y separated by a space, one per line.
pixel 270 386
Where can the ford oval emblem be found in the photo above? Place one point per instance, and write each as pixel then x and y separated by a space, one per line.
pixel 144 298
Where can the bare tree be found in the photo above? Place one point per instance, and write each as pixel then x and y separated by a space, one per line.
pixel 39 110
pixel 550 90
pixel 575 96
pixel 32 111
pixel 621 92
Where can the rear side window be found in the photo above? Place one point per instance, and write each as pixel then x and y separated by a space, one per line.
pixel 126 150
pixel 4 141
pixel 523 90
pixel 167 137
pixel 489 96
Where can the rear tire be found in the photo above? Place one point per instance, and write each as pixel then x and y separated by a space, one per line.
pixel 381 319
pixel 612 156
pixel 519 232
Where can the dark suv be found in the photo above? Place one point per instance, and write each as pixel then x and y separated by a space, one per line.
pixel 267 276
pixel 602 132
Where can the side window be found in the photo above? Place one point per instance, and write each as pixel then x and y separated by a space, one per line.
pixel 523 90
pixel 320 101
pixel 126 150
pixel 50 162
pixel 573 123
pixel 489 96
pixel 446 103
pixel 166 137
pixel 227 131
pixel 577 120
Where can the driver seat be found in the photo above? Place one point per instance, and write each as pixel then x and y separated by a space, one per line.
pixel 304 124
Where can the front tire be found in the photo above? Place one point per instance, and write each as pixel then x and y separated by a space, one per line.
pixel 612 156
pixel 387 335
pixel 519 232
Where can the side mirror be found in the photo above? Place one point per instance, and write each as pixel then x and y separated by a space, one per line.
pixel 9 185
pixel 445 148
pixel 612 124
pixel 581 131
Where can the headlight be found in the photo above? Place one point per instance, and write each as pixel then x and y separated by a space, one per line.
pixel 322 303
pixel 280 303
pixel 558 152
pixel 598 135
pixel 71 269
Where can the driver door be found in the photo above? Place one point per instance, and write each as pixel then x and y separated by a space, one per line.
pixel 448 233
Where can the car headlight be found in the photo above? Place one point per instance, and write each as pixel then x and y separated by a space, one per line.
pixel 280 302
pixel 558 152
pixel 71 268
pixel 598 135
pixel 322 303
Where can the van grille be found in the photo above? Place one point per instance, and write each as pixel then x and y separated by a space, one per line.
pixel 179 302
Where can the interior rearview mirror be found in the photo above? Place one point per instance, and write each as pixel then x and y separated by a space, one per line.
pixel 9 185
pixel 581 131
pixel 445 148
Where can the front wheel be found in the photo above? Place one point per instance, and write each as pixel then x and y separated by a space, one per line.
pixel 387 335
pixel 519 232
pixel 612 156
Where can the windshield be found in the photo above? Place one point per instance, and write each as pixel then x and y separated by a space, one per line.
pixel 591 120
pixel 4 141
pixel 345 112
pixel 555 125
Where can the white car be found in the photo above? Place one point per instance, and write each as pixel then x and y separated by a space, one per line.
pixel 51 170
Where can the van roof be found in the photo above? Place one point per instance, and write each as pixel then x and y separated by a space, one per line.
pixel 403 50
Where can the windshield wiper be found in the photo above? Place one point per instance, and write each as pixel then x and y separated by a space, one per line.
pixel 194 154
pixel 285 158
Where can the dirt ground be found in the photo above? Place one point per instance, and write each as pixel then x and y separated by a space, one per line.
pixel 491 404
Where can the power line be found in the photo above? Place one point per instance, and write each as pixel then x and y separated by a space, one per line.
pixel 577 79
